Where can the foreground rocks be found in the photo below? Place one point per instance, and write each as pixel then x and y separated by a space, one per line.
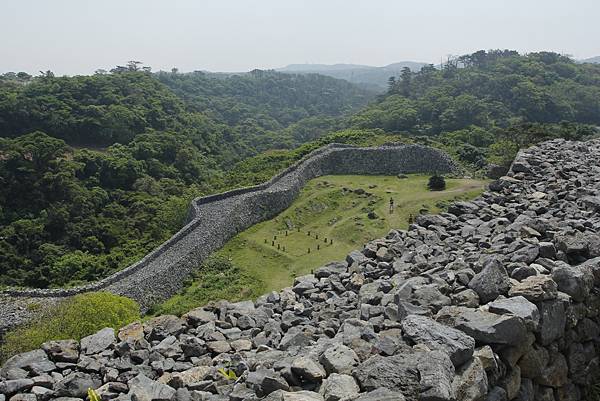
pixel 495 300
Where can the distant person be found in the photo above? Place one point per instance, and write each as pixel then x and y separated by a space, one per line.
pixel 391 205
pixel 411 219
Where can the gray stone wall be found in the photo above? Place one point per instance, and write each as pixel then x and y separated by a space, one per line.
pixel 214 219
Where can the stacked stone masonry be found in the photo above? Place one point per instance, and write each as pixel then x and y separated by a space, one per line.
pixel 497 299
pixel 214 219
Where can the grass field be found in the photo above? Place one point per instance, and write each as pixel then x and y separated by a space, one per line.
pixel 332 216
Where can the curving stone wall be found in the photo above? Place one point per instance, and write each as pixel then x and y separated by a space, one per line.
pixel 214 219
pixel 497 299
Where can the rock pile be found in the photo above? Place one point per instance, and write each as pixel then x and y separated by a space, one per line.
pixel 497 299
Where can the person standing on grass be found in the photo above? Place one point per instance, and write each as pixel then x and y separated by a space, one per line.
pixel 391 205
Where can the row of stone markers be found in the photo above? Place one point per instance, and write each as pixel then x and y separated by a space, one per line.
pixel 497 299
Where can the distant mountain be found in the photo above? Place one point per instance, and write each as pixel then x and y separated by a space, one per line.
pixel 592 60
pixel 367 76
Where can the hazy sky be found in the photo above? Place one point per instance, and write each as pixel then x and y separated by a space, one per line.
pixel 80 36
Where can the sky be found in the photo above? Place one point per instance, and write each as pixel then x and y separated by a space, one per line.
pixel 80 36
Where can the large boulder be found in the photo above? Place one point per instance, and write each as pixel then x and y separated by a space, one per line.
pixel 517 306
pixel 62 350
pixel 142 388
pixel 98 342
pixel 485 327
pixel 492 281
pixel 577 281
pixel 437 336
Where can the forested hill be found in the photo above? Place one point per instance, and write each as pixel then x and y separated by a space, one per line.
pixel 98 170
pixel 490 103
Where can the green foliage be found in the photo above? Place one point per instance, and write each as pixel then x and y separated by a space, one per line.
pixel 228 374
pixel 93 395
pixel 74 318
pixel 436 183
pixel 217 278
pixel 98 170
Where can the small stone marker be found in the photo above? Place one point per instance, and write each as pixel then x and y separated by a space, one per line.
pixel 317 236
pixel 278 246
pixel 272 243
pixel 308 250
pixel 318 247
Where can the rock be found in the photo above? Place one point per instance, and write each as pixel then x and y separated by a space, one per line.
pixel 470 382
pixel 382 394
pixel 199 316
pixel 62 350
pixel 339 359
pixel 485 327
pixel 281 395
pixel 141 388
pixel 308 370
pixel 266 381
pixel 10 387
pixel 187 377
pixel 491 282
pixel 574 280
pixel 339 387
pixel 535 288
pixel 163 326
pixel 555 373
pixel 33 360
pixel 132 332
pixel 75 385
pixel 552 321
pixel 23 397
pixel 517 306
pixel 98 342
pixel 422 375
pixel 330 269
pixel 436 336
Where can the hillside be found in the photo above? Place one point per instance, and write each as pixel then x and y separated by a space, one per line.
pixel 375 78
pixel 98 170
pixel 485 106
pixel 594 60
pixel 332 216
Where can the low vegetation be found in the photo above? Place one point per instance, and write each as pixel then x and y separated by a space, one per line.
pixel 74 318
pixel 332 216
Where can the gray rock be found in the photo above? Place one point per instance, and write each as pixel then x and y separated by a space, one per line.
pixel 470 382
pixel 339 387
pixel 535 288
pixel 199 316
pixel 491 282
pixel 330 269
pixel 141 388
pixel 382 394
pixel 32 360
pixel 485 327
pixel 62 350
pixel 552 321
pixel 75 385
pixel 98 342
pixel 23 397
pixel 338 358
pixel 577 281
pixel 517 306
pixel 281 395
pixel 437 336
pixel 306 369
pixel 10 387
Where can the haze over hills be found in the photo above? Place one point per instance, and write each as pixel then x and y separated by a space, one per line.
pixel 595 60
pixel 367 76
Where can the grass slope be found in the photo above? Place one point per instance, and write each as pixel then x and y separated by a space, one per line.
pixel 269 255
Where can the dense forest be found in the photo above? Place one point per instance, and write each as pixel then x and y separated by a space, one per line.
pixel 98 170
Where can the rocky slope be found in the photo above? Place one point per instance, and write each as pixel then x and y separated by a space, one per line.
pixel 495 300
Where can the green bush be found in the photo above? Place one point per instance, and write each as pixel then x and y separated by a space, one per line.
pixel 436 183
pixel 76 317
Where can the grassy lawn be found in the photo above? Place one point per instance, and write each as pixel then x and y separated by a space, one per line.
pixel 329 219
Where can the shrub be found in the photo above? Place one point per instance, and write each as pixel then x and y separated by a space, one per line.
pixel 76 317
pixel 436 183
